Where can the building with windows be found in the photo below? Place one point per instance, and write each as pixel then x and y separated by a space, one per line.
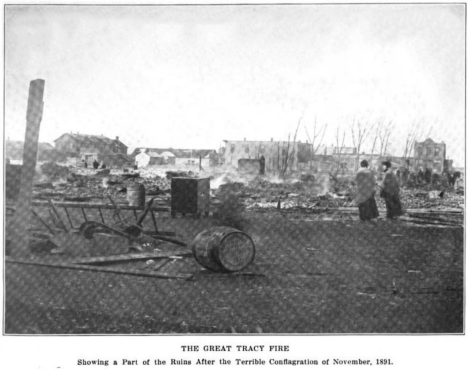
pixel 430 155
pixel 182 157
pixel 73 144
pixel 294 156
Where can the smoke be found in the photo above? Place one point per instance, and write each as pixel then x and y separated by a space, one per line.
pixel 323 184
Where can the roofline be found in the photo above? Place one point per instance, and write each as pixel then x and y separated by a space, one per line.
pixel 93 136
pixel 308 143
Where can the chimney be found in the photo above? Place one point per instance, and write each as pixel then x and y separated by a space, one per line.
pixel 271 139
pixel 116 138
pixel 244 138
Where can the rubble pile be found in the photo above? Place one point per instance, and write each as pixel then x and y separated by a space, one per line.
pixel 52 171
pixel 259 193
pixel 252 192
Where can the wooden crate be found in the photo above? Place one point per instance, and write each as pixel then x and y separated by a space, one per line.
pixel 190 196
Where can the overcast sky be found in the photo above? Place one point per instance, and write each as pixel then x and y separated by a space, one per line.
pixel 190 77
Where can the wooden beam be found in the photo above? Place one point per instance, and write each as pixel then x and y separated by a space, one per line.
pixel 57 214
pixel 91 268
pixel 129 257
pixel 168 239
pixel 20 240
pixel 78 205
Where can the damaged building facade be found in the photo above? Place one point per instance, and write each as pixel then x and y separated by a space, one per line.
pixel 278 154
pixel 431 155
pixel 244 155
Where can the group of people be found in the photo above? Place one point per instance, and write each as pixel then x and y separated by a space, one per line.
pixel 95 164
pixel 366 189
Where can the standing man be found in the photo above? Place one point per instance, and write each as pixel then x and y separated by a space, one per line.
pixel 262 165
pixel 420 176
pixel 391 191
pixel 428 175
pixel 365 200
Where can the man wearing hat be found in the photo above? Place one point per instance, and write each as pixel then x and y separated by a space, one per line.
pixel 391 191
pixel 365 200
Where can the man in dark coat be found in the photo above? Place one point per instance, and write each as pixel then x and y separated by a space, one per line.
pixel 428 176
pixel 95 164
pixel 262 165
pixel 420 176
pixel 391 191
pixel 365 200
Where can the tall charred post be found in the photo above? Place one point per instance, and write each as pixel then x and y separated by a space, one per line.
pixel 20 239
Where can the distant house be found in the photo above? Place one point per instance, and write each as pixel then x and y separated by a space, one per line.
pixel 104 156
pixel 276 153
pixel 45 152
pixel 324 150
pixel 72 143
pixel 195 157
pixel 144 159
pixel 182 156
pixel 169 157
pixel 344 150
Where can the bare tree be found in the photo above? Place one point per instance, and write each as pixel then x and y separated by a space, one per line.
pixel 287 157
pixel 416 132
pixel 360 132
pixel 339 146
pixel 384 135
pixel 376 132
pixel 320 132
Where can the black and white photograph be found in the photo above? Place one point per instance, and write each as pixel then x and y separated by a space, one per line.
pixel 234 170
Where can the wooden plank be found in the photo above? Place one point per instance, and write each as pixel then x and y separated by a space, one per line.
pixel 161 233
pixel 160 264
pixel 167 239
pixel 430 221
pixel 69 219
pixel 22 217
pixel 154 222
pixel 43 222
pixel 91 268
pixel 77 205
pixel 61 222
pixel 102 217
pixel 84 214
pixel 129 257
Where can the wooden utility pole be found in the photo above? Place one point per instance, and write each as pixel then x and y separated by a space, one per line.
pixel 20 239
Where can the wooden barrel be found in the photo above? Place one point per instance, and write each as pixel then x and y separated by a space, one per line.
pixel 223 249
pixel 136 195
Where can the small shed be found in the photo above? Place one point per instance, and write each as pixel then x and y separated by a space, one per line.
pixel 169 157
pixel 144 159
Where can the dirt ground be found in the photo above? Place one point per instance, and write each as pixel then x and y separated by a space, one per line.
pixel 308 276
